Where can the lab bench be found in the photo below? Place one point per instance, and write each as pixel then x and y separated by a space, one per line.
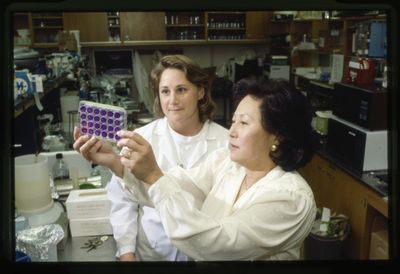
pixel 345 191
pixel 73 251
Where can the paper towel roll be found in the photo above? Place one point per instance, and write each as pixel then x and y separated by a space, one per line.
pixel 68 103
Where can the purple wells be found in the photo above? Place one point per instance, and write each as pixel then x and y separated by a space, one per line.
pixel 101 120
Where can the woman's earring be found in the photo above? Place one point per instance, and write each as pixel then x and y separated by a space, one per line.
pixel 274 148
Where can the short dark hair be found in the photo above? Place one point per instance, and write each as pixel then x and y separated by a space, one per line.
pixel 195 75
pixel 286 113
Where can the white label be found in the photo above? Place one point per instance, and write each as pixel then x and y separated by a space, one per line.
pixel 39 83
pixel 355 65
pixel 326 216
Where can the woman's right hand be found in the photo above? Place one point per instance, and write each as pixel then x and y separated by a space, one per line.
pixel 95 150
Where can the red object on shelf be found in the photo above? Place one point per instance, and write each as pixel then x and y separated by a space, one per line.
pixel 362 71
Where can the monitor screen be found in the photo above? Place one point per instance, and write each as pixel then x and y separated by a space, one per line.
pixel 115 62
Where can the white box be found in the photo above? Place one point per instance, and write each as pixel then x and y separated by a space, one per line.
pixel 88 203
pixel 379 247
pixel 277 71
pixel 90 227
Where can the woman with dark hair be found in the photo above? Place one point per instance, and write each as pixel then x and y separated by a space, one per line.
pixel 245 203
pixel 290 122
pixel 183 135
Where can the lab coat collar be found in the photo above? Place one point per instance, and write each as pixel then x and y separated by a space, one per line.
pixel 162 130
pixel 169 149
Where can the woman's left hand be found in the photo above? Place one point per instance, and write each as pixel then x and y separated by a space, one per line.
pixel 139 157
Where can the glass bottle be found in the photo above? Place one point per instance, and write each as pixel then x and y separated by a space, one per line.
pixel 60 168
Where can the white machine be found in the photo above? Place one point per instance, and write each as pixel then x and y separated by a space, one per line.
pixel 32 191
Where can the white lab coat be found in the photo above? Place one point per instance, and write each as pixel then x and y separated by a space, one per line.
pixel 138 228
pixel 201 217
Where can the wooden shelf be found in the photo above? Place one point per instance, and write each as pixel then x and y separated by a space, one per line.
pixel 114 27
pixel 241 29
pixel 227 12
pixel 184 25
pixel 45 45
pixel 238 42
pixel 46 17
pixel 47 27
pixel 165 42
pixel 102 44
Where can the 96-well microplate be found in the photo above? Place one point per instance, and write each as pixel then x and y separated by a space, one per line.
pixel 101 120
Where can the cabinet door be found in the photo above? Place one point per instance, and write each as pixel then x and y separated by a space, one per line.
pixel 322 180
pixel 335 189
pixel 92 26
pixel 257 23
pixel 137 26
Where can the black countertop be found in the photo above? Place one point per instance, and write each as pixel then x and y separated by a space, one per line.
pixel 373 179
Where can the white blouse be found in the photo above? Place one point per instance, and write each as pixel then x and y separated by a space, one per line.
pixel 202 219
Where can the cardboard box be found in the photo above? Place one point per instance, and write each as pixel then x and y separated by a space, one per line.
pixel 379 248
pixel 90 227
pixel 88 203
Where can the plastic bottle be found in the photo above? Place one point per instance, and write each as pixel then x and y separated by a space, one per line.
pixel 385 78
pixel 60 168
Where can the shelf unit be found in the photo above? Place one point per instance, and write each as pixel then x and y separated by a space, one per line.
pixel 350 28
pixel 22 29
pixel 226 25
pixel 184 25
pixel 330 36
pixel 312 31
pixel 114 28
pixel 46 26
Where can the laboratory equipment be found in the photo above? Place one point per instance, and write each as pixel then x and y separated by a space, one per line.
pixel 32 190
pixel 60 168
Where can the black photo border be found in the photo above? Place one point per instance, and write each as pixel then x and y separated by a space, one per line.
pixel 7 240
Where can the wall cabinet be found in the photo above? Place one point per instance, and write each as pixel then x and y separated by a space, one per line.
pixel 335 189
pixel 308 42
pixel 114 27
pixel 45 27
pixel 226 25
pixel 138 26
pixel 185 25
pixel 257 24
pixel 92 26
pixel 146 28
